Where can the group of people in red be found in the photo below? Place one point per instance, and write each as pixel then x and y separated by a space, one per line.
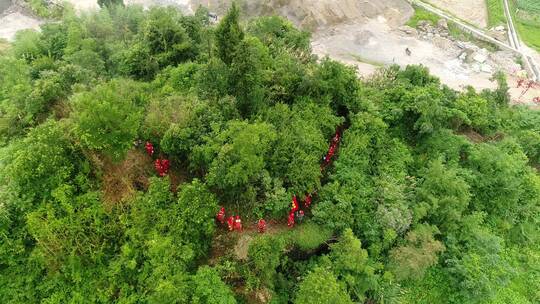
pixel 162 166
pixel 233 222
pixel 332 150
pixel 295 214
pixel 527 85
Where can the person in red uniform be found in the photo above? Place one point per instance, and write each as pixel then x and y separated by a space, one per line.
pixel 307 201
pixel 261 226
pixel 159 168
pixel 290 219
pixel 166 165
pixel 238 223
pixel 221 215
pixel 336 138
pixel 295 205
pixel 162 166
pixel 230 223
pixel 149 148
pixel 330 153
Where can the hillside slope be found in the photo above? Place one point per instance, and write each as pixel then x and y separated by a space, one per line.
pixel 321 13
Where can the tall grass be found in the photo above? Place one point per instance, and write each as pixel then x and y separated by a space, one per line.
pixel 526 15
pixel 422 14
pixel 495 13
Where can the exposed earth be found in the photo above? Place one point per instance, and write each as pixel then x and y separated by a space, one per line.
pixel 367 34
pixel 13 18
pixel 472 11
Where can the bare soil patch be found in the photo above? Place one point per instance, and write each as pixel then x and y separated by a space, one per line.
pixel 472 11
pixel 122 180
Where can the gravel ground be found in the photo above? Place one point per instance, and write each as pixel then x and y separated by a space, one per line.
pixel 376 42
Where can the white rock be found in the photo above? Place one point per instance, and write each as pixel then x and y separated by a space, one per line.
pixel 480 58
pixel 476 67
pixel 499 28
pixel 486 68
pixel 463 56
pixel 408 30
pixel 442 23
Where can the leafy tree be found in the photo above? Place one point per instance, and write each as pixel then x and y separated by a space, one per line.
pixel 213 79
pixel 43 162
pixel 499 180
pixel 279 35
pixel 351 265
pixel 110 3
pixel 54 39
pixel 162 41
pixel 140 63
pixel 303 133
pixel 320 286
pixel 500 96
pixel 420 251
pixel 197 121
pixel 337 83
pixel 265 253
pixel 479 268
pixel 71 230
pixel 236 157
pixel 417 76
pixel 27 45
pixel 15 86
pixel 443 195
pixel 247 74
pixel 208 288
pixel 229 35
pixel 196 208
pixel 107 118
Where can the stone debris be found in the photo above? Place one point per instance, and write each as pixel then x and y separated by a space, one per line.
pixel 479 57
pixel 442 23
pixel 468 55
pixel 486 68
pixel 408 30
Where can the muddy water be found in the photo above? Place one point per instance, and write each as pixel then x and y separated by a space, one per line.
pixel 4 4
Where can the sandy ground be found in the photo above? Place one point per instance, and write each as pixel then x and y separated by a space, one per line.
pixel 11 22
pixel 375 43
pixel 84 5
pixel 472 11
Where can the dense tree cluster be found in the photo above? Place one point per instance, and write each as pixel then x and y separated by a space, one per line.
pixel 433 197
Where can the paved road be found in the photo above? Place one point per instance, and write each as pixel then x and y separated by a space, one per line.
pixel 463 25
pixel 516 43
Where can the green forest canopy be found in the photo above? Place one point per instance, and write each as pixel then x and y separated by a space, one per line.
pixel 433 197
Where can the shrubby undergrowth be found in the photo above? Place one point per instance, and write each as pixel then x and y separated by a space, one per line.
pixel 433 197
